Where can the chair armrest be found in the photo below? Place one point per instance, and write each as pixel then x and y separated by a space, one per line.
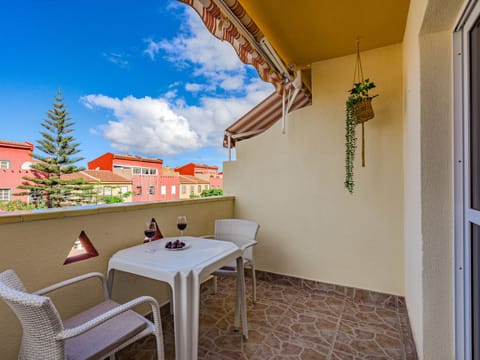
pixel 73 281
pixel 246 244
pixel 72 332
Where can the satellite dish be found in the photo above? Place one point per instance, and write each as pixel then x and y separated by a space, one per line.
pixel 27 165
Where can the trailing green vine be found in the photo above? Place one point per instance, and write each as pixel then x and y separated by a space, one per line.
pixel 350 143
pixel 358 93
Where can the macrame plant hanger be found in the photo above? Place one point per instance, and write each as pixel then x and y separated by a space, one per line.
pixel 363 109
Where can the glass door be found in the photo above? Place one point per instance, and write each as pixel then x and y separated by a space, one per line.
pixel 468 193
pixel 474 186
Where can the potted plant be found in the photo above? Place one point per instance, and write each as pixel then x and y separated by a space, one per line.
pixel 358 109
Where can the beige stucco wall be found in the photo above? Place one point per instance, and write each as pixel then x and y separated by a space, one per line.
pixel 428 146
pixel 35 246
pixel 311 227
pixel 413 251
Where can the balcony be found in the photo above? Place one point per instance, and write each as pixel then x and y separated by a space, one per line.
pixel 292 318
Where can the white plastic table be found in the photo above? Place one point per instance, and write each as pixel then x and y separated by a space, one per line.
pixel 184 270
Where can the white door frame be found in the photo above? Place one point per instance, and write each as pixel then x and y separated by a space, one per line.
pixel 464 215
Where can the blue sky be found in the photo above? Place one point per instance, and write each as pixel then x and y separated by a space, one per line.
pixel 144 78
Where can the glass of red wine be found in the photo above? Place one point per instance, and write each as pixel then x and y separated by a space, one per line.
pixel 150 230
pixel 181 223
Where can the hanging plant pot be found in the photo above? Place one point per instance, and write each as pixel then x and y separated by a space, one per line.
pixel 358 110
pixel 363 110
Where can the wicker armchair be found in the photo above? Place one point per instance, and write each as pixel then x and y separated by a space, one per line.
pixel 96 333
pixel 243 233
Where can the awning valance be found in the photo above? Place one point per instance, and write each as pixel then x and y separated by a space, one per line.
pixel 263 116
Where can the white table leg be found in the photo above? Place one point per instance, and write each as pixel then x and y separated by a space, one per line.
pixel 195 314
pixel 241 291
pixel 181 308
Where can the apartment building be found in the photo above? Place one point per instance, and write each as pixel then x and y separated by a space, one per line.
pixel 203 171
pixel 192 186
pixel 149 183
pixel 105 184
pixel 15 161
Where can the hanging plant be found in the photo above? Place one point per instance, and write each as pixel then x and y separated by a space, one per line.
pixel 358 110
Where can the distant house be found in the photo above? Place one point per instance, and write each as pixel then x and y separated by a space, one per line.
pixel 207 172
pixel 149 183
pixel 15 161
pixel 192 186
pixel 105 183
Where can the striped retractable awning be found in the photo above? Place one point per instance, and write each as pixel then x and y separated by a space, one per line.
pixel 220 25
pixel 262 117
pixel 227 20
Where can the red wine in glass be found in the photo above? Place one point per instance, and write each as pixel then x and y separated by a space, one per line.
pixel 149 231
pixel 181 224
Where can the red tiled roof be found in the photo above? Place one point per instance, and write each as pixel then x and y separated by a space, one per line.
pixel 205 166
pixel 137 158
pixel 93 176
pixel 188 179
pixel 25 145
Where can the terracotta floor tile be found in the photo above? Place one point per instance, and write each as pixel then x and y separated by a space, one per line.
pixel 314 322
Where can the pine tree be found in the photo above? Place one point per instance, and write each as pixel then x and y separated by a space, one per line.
pixel 58 148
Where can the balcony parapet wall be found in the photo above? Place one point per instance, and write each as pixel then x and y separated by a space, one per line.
pixel 36 243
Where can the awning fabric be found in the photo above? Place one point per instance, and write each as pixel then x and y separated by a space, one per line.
pixel 262 117
pixel 227 20
pixel 221 27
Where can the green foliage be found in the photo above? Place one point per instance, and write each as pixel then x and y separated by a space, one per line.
pixel 358 93
pixel 110 199
pixel 16 205
pixel 114 199
pixel 212 192
pixel 57 149
pixel 350 145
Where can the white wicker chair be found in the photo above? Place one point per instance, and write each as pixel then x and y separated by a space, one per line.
pixel 243 233
pixel 96 333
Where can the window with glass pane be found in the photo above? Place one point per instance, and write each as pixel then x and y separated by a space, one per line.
pixel 4 164
pixel 5 194
pixel 151 190
pixel 173 190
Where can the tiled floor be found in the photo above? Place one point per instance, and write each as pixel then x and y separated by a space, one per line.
pixel 294 320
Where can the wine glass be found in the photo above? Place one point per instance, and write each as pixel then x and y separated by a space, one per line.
pixel 181 224
pixel 149 231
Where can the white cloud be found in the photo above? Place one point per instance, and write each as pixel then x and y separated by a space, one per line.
pixel 147 126
pixel 152 48
pixel 158 127
pixel 116 58
pixel 232 83
pixel 194 47
pixel 168 125
pixel 193 87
